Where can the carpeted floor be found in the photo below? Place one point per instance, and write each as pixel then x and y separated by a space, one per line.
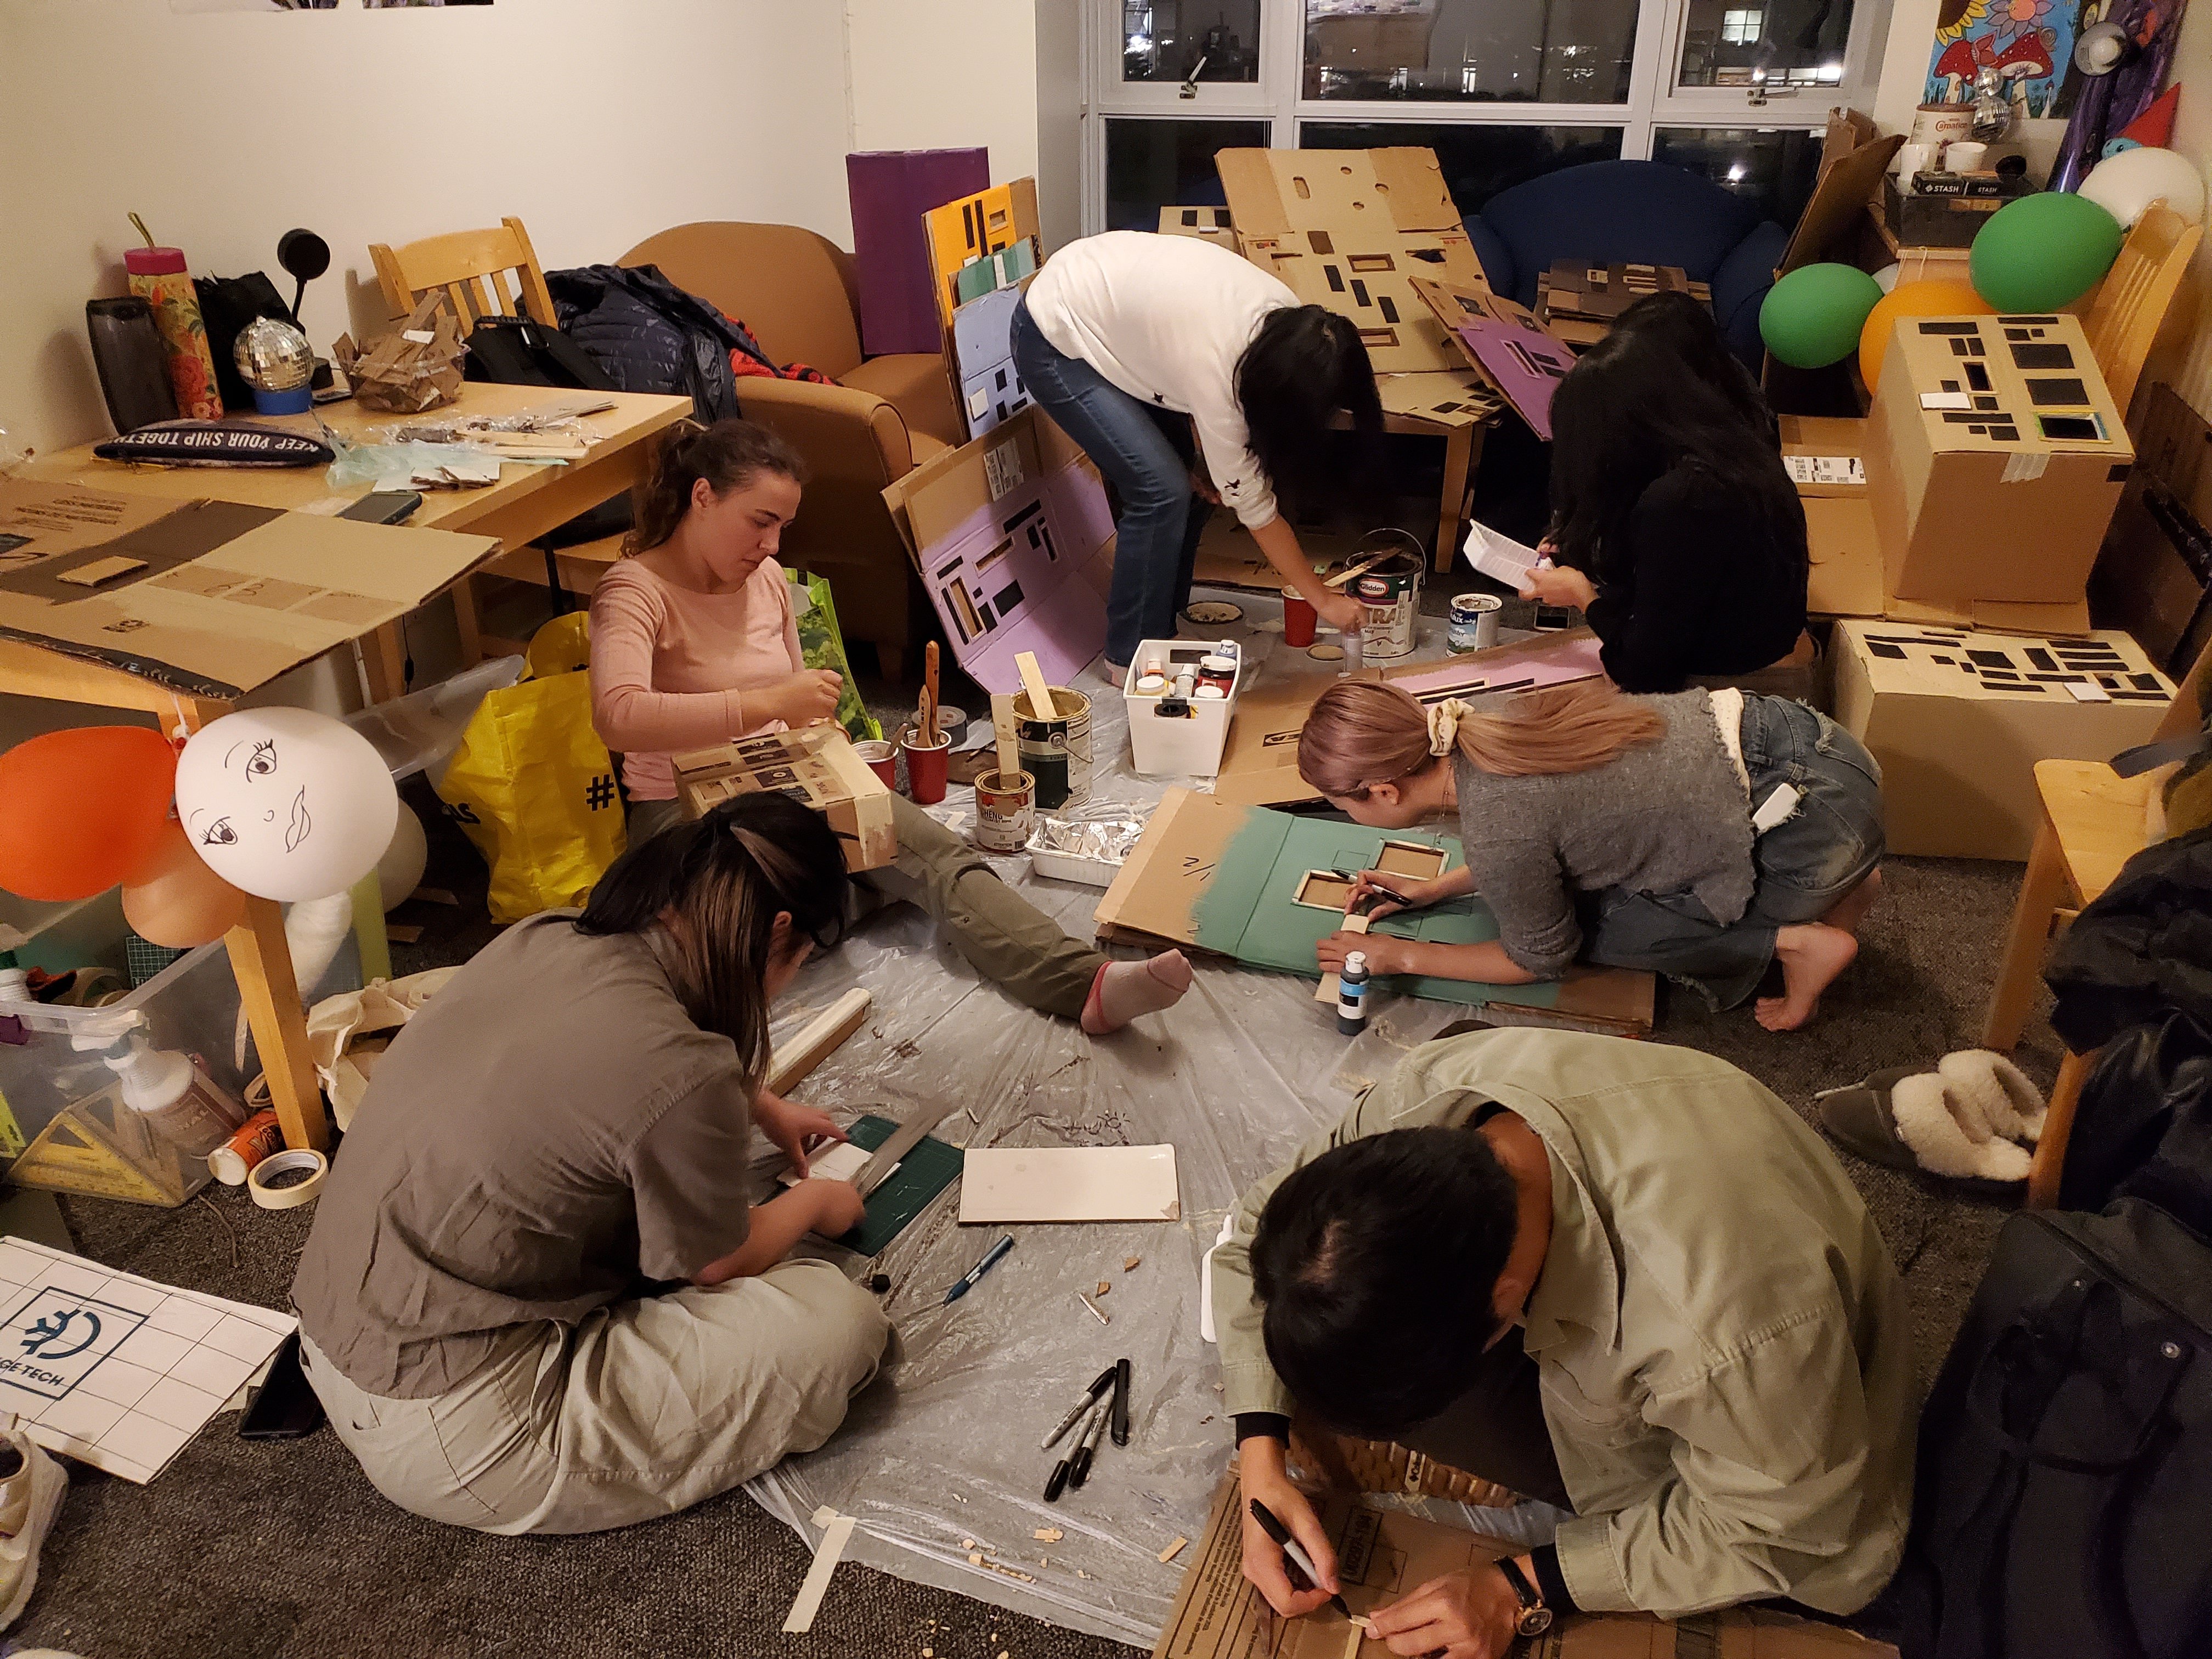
pixel 262 1549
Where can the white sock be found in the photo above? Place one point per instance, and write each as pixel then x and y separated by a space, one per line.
pixel 1123 990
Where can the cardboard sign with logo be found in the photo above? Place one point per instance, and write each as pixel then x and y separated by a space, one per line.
pixel 817 767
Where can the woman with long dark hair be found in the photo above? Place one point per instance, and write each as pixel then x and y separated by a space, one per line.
pixel 1134 343
pixel 538 1296
pixel 694 642
pixel 1703 835
pixel 1675 527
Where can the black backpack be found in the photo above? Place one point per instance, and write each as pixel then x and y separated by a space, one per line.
pixel 517 351
pixel 2063 1501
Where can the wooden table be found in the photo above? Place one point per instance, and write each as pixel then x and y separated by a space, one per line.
pixel 526 503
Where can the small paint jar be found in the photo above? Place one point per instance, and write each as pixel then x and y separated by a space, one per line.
pixel 1217 671
pixel 1474 618
pixel 1151 685
pixel 1210 692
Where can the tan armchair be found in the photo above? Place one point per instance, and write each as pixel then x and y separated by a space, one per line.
pixel 796 292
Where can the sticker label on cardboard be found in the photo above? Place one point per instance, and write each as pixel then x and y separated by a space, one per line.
pixel 1002 469
pixel 1824 469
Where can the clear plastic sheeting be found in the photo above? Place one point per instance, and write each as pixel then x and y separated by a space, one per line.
pixel 940 1461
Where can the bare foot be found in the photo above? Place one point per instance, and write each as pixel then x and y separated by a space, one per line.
pixel 1848 911
pixel 1811 955
pixel 1123 990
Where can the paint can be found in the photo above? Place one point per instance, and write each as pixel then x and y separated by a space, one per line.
pixel 1055 751
pixel 1474 621
pixel 1006 810
pixel 1391 594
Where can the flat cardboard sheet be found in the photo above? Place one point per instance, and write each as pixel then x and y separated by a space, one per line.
pixel 209 598
pixel 1014 541
pixel 998 226
pixel 1514 352
pixel 991 388
pixel 2150 578
pixel 1383 1554
pixel 1444 397
pixel 1211 224
pixel 1069 1183
pixel 1229 557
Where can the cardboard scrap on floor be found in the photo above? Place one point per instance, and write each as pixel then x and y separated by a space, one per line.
pixel 1070 1184
pixel 1382 1555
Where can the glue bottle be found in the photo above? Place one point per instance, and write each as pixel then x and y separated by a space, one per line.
pixel 1352 995
pixel 179 1101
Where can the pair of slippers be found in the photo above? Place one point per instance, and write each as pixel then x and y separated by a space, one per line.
pixel 1971 1120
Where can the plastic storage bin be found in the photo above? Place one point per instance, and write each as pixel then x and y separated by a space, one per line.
pixel 1178 744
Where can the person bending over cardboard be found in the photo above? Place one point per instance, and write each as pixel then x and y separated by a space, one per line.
pixel 1621 1277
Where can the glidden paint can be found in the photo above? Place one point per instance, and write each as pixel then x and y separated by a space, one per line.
pixel 1056 750
pixel 1006 810
pixel 1391 592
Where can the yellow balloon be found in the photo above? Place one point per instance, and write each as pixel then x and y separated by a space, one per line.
pixel 1937 296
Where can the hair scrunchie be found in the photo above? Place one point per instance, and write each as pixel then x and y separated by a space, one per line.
pixel 1444 725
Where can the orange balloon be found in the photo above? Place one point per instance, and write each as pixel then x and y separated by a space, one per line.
pixel 1937 296
pixel 82 810
pixel 178 902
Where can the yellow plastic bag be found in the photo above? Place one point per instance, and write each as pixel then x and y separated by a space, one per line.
pixel 533 786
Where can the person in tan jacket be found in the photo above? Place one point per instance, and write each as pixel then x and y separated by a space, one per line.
pixel 1621 1277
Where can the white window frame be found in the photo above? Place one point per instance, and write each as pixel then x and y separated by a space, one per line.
pixel 1653 100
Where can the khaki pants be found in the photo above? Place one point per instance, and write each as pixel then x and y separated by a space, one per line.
pixel 1004 937
pixel 641 1409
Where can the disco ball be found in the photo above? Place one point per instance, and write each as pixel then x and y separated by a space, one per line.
pixel 274 355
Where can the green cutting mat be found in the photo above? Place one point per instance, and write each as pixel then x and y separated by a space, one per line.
pixel 923 1173
pixel 1249 913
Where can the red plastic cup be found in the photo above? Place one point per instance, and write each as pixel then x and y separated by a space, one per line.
pixel 882 759
pixel 925 768
pixel 1298 619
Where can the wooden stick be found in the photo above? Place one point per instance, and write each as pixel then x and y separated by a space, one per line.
pixel 793 1059
pixel 1350 571
pixel 1002 723
pixel 929 695
pixel 1041 701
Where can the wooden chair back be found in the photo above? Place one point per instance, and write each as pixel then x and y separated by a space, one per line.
pixel 2191 698
pixel 2124 319
pixel 485 273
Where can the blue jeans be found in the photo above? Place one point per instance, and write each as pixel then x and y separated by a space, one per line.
pixel 1146 453
pixel 1804 864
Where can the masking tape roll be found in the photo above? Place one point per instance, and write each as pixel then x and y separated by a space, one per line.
pixel 277 1163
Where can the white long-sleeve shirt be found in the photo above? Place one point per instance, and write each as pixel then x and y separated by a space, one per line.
pixel 1164 318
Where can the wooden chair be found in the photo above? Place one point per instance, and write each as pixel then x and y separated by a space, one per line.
pixel 476 269
pixel 2093 821
pixel 2132 303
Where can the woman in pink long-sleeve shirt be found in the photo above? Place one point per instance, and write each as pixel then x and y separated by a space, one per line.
pixel 694 642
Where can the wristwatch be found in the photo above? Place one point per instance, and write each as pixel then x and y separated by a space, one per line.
pixel 1535 1617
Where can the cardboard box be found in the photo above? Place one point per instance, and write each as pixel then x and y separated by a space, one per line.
pixel 2153 575
pixel 816 766
pixel 1383 1554
pixel 1826 457
pixel 1350 229
pixel 209 597
pixel 1940 210
pixel 1210 224
pixel 1579 301
pixel 1015 545
pixel 1959 719
pixel 1995 456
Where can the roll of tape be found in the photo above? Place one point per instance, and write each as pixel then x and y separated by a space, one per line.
pixel 277 1164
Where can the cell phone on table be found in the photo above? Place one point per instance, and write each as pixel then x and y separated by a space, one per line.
pixel 384 507
pixel 1550 618
pixel 284 1406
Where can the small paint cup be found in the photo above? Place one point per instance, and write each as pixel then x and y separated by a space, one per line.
pixel 1298 619
pixel 882 759
pixel 1475 619
pixel 924 767
pixel 1006 810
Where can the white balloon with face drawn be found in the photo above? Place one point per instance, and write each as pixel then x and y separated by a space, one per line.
pixel 285 803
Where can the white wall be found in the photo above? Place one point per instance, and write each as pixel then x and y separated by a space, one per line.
pixel 596 123
pixel 942 74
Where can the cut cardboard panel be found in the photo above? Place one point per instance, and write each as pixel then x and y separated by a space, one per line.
pixel 966 236
pixel 2151 574
pixel 1211 224
pixel 1069 1183
pixel 1505 343
pixel 1994 458
pixel 1229 557
pixel 1845 578
pixel 891 191
pixel 1443 398
pixel 816 767
pixel 1580 300
pixel 1842 195
pixel 1957 720
pixel 208 598
pixel 1270 192
pixel 982 360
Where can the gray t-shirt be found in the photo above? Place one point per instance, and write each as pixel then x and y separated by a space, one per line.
pixel 549 1129
pixel 1662 818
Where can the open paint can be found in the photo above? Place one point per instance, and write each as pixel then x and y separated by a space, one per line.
pixel 1474 621
pixel 1006 810
pixel 1055 746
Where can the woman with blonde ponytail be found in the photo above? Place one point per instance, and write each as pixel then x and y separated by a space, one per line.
pixel 1703 834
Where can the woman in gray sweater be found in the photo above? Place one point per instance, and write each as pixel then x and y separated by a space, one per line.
pixel 1703 834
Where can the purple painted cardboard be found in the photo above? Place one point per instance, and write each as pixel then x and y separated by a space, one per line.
pixel 1515 352
pixel 991 387
pixel 891 190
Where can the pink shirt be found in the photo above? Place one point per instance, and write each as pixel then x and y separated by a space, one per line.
pixel 671 667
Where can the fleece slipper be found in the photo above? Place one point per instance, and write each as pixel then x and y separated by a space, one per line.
pixel 1902 1119
pixel 1991 1097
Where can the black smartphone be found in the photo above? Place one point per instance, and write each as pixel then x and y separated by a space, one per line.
pixel 1550 618
pixel 284 1406
pixel 384 507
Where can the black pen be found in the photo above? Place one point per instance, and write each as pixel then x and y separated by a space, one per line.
pixel 1298 1558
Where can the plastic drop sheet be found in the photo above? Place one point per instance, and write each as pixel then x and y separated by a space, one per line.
pixel 939 1461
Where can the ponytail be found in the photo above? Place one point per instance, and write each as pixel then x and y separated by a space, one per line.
pixel 728 455
pixel 1362 733
pixel 722 878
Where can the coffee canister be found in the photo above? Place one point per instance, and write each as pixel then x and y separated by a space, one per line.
pixel 1056 750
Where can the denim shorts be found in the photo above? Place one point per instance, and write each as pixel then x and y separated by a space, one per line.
pixel 1803 865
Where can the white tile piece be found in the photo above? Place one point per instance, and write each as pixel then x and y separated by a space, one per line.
pixel 144 1440
pixel 119 1380
pixel 134 1293
pixel 239 1338
pixel 82 1414
pixel 184 1318
pixel 1069 1183
pixel 218 1373
pixel 84 1278
pixel 158 1350
pixel 178 1404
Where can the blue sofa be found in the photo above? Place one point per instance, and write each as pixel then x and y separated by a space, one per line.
pixel 1635 212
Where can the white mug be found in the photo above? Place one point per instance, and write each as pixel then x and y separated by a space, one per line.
pixel 1964 156
pixel 1911 159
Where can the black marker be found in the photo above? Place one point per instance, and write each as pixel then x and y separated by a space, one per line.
pixel 1062 1470
pixel 1122 1402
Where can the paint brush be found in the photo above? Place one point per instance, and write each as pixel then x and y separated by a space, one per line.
pixel 1298 1558
pixel 929 695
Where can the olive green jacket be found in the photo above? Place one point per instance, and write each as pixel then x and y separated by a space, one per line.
pixel 1726 1365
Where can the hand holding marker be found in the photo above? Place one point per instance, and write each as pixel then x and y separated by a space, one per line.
pixel 1299 1559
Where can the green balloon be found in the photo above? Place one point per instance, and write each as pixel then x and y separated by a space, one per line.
pixel 1812 317
pixel 2043 251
